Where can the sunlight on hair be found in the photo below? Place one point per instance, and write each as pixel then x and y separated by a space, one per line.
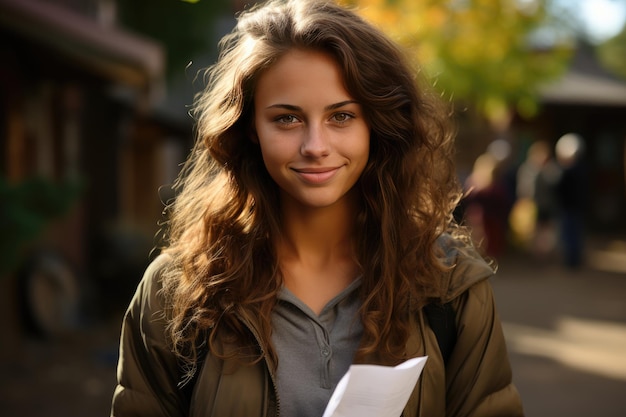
pixel 591 346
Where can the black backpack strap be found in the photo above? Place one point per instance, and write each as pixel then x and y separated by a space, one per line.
pixel 442 321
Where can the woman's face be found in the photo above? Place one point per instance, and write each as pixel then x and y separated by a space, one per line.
pixel 312 133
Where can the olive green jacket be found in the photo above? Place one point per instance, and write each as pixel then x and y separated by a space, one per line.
pixel 477 380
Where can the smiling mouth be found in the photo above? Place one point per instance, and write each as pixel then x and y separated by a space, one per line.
pixel 316 176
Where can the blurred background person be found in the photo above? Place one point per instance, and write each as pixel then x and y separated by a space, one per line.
pixel 571 193
pixel 536 208
pixel 488 202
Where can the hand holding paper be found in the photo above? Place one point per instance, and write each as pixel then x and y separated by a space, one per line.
pixel 374 390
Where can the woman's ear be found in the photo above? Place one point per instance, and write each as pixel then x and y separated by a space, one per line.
pixel 253 135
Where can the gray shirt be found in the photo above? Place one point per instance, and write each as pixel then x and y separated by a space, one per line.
pixel 314 352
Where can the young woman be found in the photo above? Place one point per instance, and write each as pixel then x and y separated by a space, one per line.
pixel 312 225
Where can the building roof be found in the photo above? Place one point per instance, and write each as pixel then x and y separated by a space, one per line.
pixel 586 82
pixel 106 50
pixel 578 88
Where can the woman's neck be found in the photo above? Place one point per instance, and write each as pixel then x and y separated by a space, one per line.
pixel 316 233
pixel 315 252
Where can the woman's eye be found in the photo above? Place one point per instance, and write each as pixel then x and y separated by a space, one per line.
pixel 287 119
pixel 342 117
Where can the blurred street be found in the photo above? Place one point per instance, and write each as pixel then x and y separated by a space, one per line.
pixel 566 333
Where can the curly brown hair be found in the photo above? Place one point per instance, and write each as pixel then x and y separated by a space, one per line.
pixel 226 212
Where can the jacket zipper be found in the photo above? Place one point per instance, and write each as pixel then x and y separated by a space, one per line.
pixel 252 330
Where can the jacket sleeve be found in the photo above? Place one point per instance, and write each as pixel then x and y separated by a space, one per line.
pixel 479 376
pixel 147 371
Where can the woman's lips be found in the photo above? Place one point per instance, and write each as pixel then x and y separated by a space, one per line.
pixel 317 175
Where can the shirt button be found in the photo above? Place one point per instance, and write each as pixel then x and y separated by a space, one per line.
pixel 325 351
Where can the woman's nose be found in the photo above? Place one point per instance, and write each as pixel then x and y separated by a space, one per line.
pixel 315 142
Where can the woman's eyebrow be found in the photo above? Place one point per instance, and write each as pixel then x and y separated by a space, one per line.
pixel 340 104
pixel 284 106
pixel 297 108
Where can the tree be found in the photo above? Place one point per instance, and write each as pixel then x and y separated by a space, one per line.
pixel 184 27
pixel 612 53
pixel 481 52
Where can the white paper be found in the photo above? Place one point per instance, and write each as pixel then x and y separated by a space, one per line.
pixel 374 390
